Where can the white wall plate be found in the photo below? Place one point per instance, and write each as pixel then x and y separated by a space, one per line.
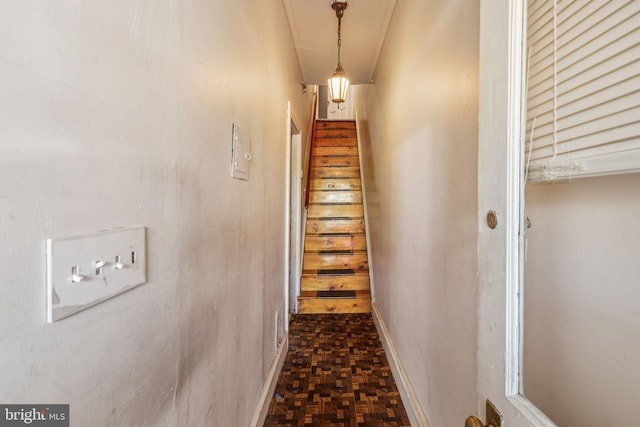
pixel 83 271
pixel 240 153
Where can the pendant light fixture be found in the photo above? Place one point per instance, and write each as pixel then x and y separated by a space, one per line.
pixel 338 83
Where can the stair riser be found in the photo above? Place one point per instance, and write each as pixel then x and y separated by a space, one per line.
pixel 335 124
pixel 335 133
pixel 319 243
pixel 335 142
pixel 317 226
pixel 330 305
pixel 335 184
pixel 335 151
pixel 356 262
pixel 338 283
pixel 332 211
pixel 329 161
pixel 337 172
pixel 335 197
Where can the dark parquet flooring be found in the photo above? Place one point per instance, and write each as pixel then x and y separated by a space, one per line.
pixel 335 374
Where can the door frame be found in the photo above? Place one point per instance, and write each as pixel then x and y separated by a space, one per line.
pixel 500 189
pixel 293 215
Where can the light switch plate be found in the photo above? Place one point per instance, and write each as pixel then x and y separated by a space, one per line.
pixel 240 153
pixel 85 270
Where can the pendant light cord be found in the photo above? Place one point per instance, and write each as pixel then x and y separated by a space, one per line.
pixel 339 39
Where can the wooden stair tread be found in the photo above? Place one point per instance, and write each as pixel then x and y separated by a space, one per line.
pixel 334 305
pixel 331 151
pixel 335 172
pixel 335 136
pixel 343 124
pixel 320 306
pixel 336 294
pixel 355 260
pixel 332 196
pixel 322 226
pixel 328 250
pixel 320 184
pixel 336 251
pixel 336 154
pixel 335 211
pixel 334 272
pixel 324 133
pixel 341 234
pixel 332 141
pixel 359 281
pixel 317 242
pixel 335 161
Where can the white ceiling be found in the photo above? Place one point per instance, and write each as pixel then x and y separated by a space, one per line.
pixel 314 27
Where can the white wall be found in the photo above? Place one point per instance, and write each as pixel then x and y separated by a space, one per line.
pixel 420 173
pixel 119 113
pixel 581 294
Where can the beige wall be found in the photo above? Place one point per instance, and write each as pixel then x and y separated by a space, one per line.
pixel 119 113
pixel 420 174
pixel 581 296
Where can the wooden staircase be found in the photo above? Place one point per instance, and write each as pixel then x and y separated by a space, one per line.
pixel 335 267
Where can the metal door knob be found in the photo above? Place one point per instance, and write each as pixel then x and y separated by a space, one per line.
pixel 493 416
pixel 492 219
pixel 473 421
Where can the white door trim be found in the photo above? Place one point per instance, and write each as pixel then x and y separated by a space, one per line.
pixel 293 221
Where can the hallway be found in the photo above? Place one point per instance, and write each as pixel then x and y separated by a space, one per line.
pixel 121 114
pixel 336 373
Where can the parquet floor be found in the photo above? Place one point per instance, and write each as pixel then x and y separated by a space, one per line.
pixel 335 374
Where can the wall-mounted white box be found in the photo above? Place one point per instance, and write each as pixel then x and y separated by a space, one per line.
pixel 85 270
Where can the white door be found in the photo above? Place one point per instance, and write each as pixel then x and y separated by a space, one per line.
pixel 499 191
pixel 295 213
pixel 342 111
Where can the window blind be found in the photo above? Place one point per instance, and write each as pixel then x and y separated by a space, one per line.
pixel 583 88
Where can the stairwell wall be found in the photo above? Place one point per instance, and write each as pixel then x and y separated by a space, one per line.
pixel 120 113
pixel 419 128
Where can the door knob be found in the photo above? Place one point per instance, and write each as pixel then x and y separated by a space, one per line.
pixel 494 417
pixel 492 219
pixel 473 421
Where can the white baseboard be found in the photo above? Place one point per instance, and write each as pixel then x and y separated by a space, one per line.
pixel 408 395
pixel 270 383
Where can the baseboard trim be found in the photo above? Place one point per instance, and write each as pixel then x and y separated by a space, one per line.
pixel 270 383
pixel 408 395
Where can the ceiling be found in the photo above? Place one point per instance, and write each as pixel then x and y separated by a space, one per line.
pixel 314 27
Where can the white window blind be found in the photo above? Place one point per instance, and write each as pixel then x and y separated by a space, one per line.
pixel 583 88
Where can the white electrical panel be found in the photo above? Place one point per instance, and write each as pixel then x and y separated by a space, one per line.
pixel 83 271
pixel 240 153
